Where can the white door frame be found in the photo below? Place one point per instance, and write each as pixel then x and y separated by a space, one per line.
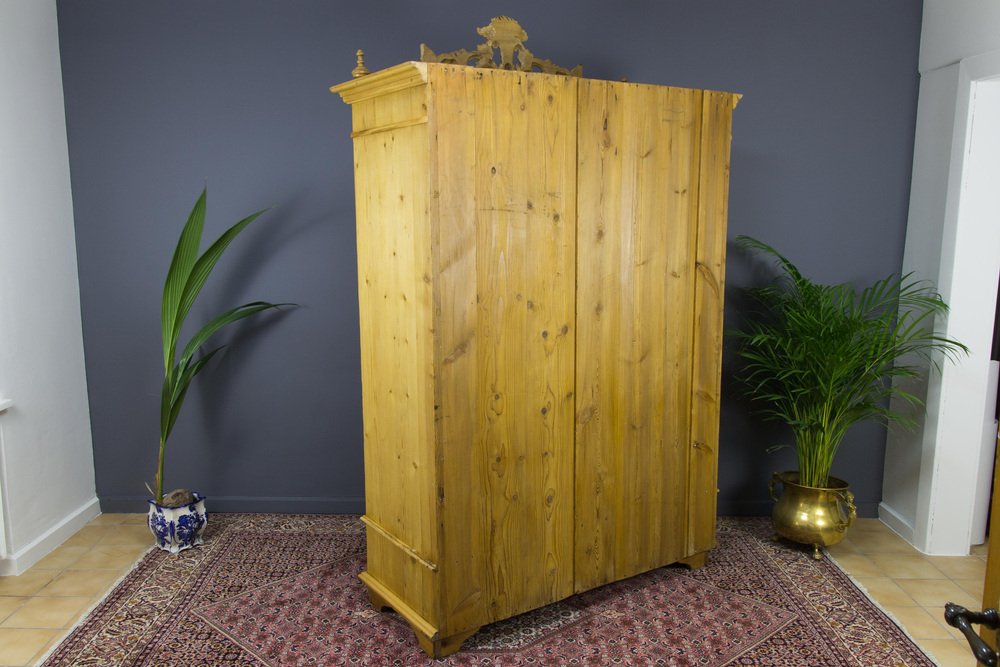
pixel 967 270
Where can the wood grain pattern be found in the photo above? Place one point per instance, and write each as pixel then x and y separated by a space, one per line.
pixel 638 166
pixel 462 517
pixel 991 584
pixel 713 206
pixel 506 146
pixel 397 346
pixel 540 279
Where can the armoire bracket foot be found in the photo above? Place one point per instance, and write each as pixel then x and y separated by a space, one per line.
pixel 442 647
pixel 695 561
pixel 430 640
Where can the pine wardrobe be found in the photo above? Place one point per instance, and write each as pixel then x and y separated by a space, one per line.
pixel 540 277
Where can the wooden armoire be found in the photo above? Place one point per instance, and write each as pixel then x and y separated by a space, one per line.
pixel 540 277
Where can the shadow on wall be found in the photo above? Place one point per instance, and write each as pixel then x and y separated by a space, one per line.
pixel 161 99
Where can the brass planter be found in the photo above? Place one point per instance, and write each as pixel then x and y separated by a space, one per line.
pixel 809 515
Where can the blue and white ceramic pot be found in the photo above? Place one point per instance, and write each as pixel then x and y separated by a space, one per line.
pixel 178 528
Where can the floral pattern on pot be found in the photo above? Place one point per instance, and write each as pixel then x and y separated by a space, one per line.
pixel 178 528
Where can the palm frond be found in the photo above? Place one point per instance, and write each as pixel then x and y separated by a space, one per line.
pixel 821 358
pixel 187 275
pixel 185 256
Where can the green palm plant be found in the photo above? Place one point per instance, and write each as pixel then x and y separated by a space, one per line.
pixel 821 358
pixel 185 278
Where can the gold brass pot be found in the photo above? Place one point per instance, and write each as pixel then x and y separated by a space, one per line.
pixel 811 515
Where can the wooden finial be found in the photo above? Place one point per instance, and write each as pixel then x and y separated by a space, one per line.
pixel 360 70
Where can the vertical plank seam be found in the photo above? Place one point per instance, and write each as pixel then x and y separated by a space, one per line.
pixel 434 220
pixel 700 222
pixel 576 322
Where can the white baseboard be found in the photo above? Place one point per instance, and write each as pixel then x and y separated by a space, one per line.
pixel 40 547
pixel 895 521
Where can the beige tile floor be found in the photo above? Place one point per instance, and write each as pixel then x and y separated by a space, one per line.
pixel 913 587
pixel 39 607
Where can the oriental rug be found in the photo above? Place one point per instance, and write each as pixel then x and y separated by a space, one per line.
pixel 282 590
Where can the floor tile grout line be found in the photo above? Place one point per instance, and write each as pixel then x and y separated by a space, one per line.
pixel 881 606
pixel 100 598
pixel 935 611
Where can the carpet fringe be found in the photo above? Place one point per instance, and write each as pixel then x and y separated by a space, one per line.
pixel 888 614
pixel 56 643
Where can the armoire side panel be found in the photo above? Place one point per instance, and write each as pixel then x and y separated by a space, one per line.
pixel 638 197
pixel 713 195
pixel 393 237
pixel 506 202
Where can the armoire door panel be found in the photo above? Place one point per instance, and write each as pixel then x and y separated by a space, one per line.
pixel 713 211
pixel 638 204
pixel 512 147
pixel 464 520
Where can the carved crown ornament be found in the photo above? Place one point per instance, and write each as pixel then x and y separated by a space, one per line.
pixel 504 38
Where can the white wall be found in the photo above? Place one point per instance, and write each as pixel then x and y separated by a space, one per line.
pixel 953 240
pixel 956 29
pixel 47 486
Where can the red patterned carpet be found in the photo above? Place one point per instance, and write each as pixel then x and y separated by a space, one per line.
pixel 282 590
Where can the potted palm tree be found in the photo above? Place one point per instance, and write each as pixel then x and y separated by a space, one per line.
pixel 821 358
pixel 177 519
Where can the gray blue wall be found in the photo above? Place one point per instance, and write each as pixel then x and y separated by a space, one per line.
pixel 163 99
